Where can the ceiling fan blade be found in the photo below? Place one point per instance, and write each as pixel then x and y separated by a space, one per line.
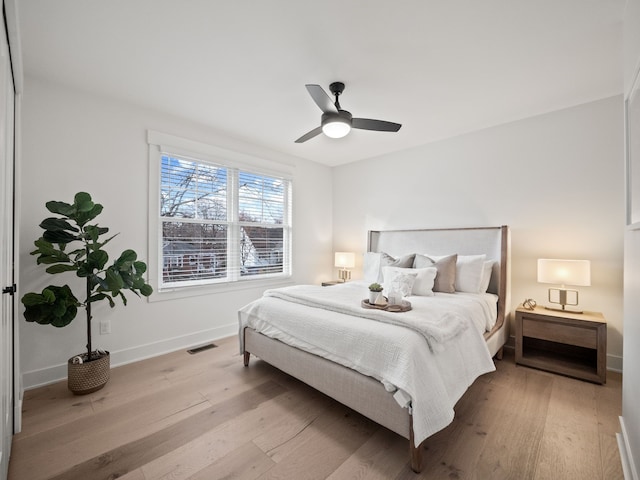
pixel 321 98
pixel 378 125
pixel 309 135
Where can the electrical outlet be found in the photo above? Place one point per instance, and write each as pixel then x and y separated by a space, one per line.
pixel 105 327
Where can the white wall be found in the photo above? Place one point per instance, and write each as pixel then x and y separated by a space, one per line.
pixel 631 379
pixel 75 141
pixel 555 179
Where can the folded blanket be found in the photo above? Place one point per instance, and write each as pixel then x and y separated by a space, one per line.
pixel 437 328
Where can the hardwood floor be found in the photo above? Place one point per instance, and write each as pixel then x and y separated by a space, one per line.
pixel 205 416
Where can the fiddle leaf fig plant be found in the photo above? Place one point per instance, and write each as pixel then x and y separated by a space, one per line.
pixel 71 244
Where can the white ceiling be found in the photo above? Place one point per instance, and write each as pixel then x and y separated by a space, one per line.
pixel 439 67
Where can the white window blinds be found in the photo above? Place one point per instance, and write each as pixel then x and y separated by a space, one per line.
pixel 222 224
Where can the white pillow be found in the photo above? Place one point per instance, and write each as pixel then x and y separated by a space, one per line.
pixel 487 269
pixel 469 270
pixel 371 267
pixel 395 281
pixel 374 261
pixel 421 280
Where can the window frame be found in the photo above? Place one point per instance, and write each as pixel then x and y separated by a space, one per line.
pixel 162 144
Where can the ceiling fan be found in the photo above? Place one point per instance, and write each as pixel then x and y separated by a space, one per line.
pixel 336 122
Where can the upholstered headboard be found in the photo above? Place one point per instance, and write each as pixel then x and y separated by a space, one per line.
pixel 494 242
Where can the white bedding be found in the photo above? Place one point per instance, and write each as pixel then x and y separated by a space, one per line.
pixel 429 382
pixel 435 325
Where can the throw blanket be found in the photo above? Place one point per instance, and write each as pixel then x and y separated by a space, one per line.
pixel 437 328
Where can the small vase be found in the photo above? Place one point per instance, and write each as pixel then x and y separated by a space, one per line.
pixel 373 297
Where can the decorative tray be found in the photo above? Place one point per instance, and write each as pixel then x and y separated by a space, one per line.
pixel 405 306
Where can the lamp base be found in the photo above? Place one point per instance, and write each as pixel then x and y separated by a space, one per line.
pixel 565 310
pixel 344 275
pixel 562 299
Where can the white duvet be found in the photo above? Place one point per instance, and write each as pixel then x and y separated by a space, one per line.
pixel 427 379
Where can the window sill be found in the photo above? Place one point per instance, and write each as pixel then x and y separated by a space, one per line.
pixel 213 289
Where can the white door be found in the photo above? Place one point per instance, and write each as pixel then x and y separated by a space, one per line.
pixel 7 96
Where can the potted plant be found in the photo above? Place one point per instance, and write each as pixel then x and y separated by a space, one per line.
pixel 58 306
pixel 375 292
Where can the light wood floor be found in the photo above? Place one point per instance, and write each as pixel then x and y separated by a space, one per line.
pixel 205 416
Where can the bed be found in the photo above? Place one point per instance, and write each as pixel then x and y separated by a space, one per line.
pixel 403 397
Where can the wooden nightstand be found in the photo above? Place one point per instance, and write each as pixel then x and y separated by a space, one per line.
pixel 332 282
pixel 562 342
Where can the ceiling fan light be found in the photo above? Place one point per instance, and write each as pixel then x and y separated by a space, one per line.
pixel 336 128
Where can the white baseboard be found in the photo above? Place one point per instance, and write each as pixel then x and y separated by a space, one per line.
pixel 46 376
pixel 17 416
pixel 626 455
pixel 614 363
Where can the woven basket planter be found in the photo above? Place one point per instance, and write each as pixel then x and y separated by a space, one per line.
pixel 88 377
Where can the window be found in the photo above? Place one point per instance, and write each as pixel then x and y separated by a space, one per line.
pixel 219 223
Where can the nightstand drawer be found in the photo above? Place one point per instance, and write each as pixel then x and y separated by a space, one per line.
pixel 561 333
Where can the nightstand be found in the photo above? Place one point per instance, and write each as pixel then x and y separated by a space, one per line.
pixel 571 344
pixel 332 282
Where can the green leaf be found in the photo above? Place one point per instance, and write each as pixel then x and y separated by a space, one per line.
pixel 92 231
pixel 99 245
pixel 57 224
pixel 84 270
pixel 61 208
pixel 59 236
pixel 146 290
pixel 126 259
pixel 64 320
pixel 114 280
pixel 110 238
pixel 45 247
pixel 124 299
pixel 95 211
pixel 31 299
pixel 140 267
pixel 48 259
pixel 37 314
pixel 49 295
pixel 58 309
pixel 127 279
pixel 82 202
pixel 83 217
pixel 101 296
pixel 96 280
pixel 98 259
pixel 137 283
pixel 61 268
pixel 78 254
pixel 48 254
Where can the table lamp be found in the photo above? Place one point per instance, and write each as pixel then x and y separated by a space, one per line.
pixel 345 260
pixel 564 272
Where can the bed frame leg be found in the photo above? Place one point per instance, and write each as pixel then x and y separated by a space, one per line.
pixel 246 354
pixel 415 453
pixel 499 353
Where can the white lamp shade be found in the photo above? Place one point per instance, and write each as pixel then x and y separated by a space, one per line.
pixel 336 128
pixel 564 272
pixel 345 259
